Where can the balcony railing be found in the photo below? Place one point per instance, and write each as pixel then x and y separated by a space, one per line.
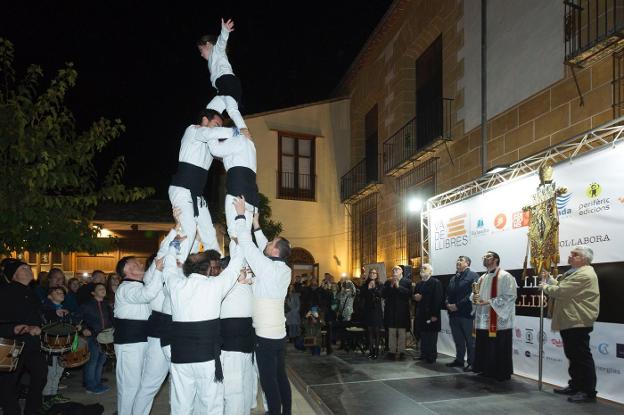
pixel 592 29
pixel 359 180
pixel 419 135
pixel 296 186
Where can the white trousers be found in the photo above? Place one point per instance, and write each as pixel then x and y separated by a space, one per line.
pixel 194 390
pixel 154 373
pixel 230 215
pixel 222 103
pixel 129 371
pixel 55 372
pixel 240 382
pixel 180 197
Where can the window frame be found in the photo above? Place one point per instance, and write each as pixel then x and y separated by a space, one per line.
pixel 296 193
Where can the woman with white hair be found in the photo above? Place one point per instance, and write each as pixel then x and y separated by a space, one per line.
pixel 428 295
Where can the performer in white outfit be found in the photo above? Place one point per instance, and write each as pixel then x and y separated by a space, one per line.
pixel 239 160
pixel 228 86
pixel 131 312
pixel 196 372
pixel 270 287
pixel 159 324
pixel 187 185
pixel 495 309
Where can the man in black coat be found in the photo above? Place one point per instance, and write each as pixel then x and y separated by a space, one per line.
pixel 20 314
pixel 459 309
pixel 428 295
pixel 397 292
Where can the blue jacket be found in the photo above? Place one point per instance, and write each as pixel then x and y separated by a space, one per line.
pixel 458 293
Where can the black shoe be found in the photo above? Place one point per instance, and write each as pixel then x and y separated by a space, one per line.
pixel 468 368
pixel 564 391
pixel 581 397
pixel 455 363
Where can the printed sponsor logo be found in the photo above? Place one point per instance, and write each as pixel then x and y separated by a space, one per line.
pixel 480 229
pixel 451 234
pixel 557 342
pixel 520 219
pixel 552 359
pixel 621 199
pixel 518 333
pixel 603 348
pixel 527 353
pixel 593 190
pixel 528 336
pixel 500 221
pixel 584 240
pixel 516 351
pixel 609 370
pixel 562 204
pixel 619 350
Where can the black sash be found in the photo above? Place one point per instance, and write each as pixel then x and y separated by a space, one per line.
pixel 242 181
pixel 192 177
pixel 159 326
pixel 196 342
pixel 130 331
pixel 238 335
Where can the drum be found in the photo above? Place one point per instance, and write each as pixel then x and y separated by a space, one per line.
pixel 106 339
pixel 9 354
pixel 77 358
pixel 57 337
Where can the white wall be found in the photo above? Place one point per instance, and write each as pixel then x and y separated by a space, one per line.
pixel 524 53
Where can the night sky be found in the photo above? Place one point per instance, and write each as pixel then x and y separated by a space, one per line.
pixel 137 61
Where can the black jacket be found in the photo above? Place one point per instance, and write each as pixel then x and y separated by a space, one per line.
pixel 396 312
pixel 19 305
pixel 429 306
pixel 92 318
pixel 458 293
pixel 371 304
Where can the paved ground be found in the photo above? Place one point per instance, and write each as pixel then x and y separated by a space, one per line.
pixel 352 384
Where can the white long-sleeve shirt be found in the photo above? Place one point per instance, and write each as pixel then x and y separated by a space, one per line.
pixel 218 63
pixel 238 151
pixel 269 288
pixel 194 149
pixel 504 304
pixel 157 303
pixel 132 299
pixel 198 297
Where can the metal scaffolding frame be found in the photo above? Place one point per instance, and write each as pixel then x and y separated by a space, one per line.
pixel 606 134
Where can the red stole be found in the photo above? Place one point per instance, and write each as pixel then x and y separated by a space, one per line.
pixel 493 316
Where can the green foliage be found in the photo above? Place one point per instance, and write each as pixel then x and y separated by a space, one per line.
pixel 270 228
pixel 49 188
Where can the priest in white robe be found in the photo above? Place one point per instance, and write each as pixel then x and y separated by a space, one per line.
pixel 494 309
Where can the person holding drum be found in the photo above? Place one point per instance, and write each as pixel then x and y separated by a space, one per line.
pixel 98 318
pixel 20 314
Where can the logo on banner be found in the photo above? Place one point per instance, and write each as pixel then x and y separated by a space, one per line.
pixel 586 240
pixel 480 229
pixel 528 336
pixel 603 348
pixel 500 221
pixel 619 350
pixel 562 204
pixel 452 234
pixel 557 342
pixel 518 333
pixel 520 219
pixel 593 190
pixel 527 353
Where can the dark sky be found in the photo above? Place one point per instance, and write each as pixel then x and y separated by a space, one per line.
pixel 137 61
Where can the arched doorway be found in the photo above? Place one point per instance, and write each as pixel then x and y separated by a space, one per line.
pixel 303 264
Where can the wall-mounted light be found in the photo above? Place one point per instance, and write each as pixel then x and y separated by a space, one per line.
pixel 414 205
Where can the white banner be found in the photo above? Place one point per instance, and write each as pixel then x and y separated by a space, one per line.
pixel 591 213
pixel 606 342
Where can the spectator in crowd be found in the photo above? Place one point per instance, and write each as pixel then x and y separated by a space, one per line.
pixel 112 283
pixel 56 278
pixel 40 286
pixel 460 314
pixel 429 299
pixel 346 295
pixel 98 316
pixel 71 297
pixel 372 311
pixel 575 300
pixel 312 326
pixel 84 292
pixel 293 320
pixel 328 309
pixel 396 292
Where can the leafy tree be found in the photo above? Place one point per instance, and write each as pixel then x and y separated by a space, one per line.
pixel 49 187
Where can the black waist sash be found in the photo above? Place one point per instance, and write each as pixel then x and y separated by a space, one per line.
pixel 242 181
pixel 130 331
pixel 196 342
pixel 191 177
pixel 159 326
pixel 238 335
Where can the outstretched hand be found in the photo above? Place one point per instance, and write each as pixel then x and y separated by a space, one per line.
pixel 239 205
pixel 229 25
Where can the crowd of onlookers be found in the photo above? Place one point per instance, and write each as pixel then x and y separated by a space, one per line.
pixel 365 312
